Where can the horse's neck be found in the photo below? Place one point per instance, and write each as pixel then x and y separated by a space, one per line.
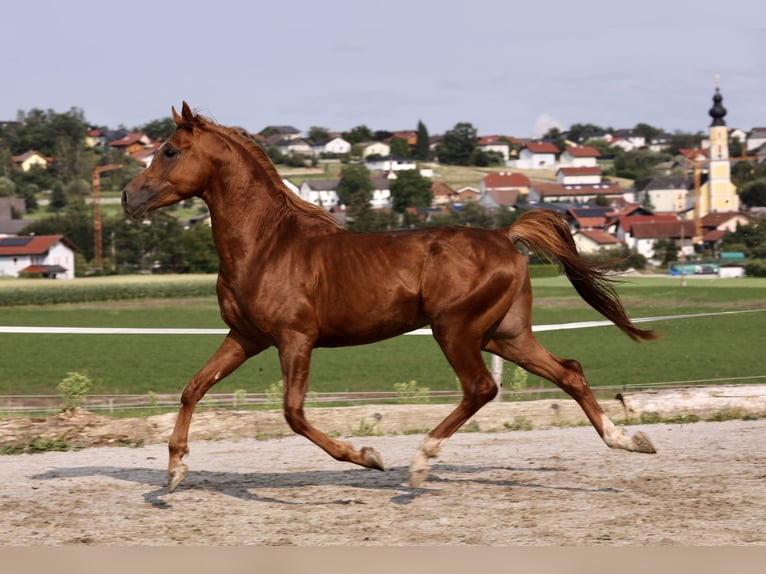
pixel 250 219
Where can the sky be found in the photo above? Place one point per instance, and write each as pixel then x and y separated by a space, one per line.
pixel 506 67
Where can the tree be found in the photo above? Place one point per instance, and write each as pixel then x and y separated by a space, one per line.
pixel 410 189
pixel 748 238
pixel 647 131
pixel 753 194
pixel 399 147
pixel 580 133
pixel 637 164
pixel 355 187
pixel 555 136
pixel 357 135
pixel 317 135
pixel 682 140
pixel 458 144
pixel 7 187
pixel 158 129
pixel 422 150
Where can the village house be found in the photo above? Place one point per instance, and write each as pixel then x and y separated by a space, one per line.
pixel 579 156
pixel 390 163
pixel 592 241
pixel 467 193
pixel 335 146
pixel 321 192
pixel 130 143
pixel 536 156
pixel 49 256
pixel 578 175
pixel 716 225
pixel 664 193
pixel 502 189
pixel 547 192
pixel 756 140
pixel 30 159
pixel 443 193
pixel 495 144
pixel 380 149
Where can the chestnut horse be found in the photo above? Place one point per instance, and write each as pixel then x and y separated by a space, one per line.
pixel 292 278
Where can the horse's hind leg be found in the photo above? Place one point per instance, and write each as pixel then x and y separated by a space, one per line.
pixel 524 350
pixel 478 389
pixel 230 355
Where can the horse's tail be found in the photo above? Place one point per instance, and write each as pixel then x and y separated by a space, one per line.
pixel 545 231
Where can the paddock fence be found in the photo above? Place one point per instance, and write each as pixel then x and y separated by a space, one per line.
pixel 20 404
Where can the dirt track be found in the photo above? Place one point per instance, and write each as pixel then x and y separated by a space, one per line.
pixel 706 486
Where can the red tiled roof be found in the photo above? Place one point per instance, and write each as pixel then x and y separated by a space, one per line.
pixel 716 218
pixel 583 151
pixel 127 139
pixel 505 180
pixel 599 236
pixel 659 229
pixel 504 196
pixel 542 147
pixel 37 245
pixel 714 235
pixel 439 188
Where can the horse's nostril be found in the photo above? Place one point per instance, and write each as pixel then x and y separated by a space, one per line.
pixel 124 198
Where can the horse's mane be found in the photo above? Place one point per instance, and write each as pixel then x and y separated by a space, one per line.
pixel 292 201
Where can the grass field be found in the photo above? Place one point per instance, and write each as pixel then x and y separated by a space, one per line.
pixel 729 347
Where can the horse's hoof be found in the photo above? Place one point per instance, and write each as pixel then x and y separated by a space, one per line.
pixel 372 458
pixel 419 470
pixel 641 443
pixel 176 475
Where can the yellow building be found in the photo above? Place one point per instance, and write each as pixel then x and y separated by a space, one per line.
pixel 718 194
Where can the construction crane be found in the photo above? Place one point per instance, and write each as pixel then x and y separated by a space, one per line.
pixel 97 236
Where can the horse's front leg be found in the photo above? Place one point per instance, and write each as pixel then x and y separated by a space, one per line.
pixel 295 360
pixel 230 355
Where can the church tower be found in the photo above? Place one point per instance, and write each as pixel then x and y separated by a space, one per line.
pixel 718 194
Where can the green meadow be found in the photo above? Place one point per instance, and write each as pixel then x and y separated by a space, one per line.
pixel 721 349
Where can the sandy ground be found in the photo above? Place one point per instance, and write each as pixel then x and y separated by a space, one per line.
pixel 561 486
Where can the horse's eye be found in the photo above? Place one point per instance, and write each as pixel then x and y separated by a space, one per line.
pixel 170 152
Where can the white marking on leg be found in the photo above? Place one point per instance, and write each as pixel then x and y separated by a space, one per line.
pixel 614 436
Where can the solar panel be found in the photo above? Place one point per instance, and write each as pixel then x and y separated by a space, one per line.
pixel 14 241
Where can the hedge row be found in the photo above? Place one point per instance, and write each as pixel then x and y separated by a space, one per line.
pixel 49 292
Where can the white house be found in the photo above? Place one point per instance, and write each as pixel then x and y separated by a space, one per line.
pixel 51 256
pixel 335 146
pixel 578 175
pixel 375 148
pixel 756 139
pixel 666 193
pixel 494 144
pixel 321 192
pixel 536 156
pixel 627 140
pixel 580 156
pixel 390 163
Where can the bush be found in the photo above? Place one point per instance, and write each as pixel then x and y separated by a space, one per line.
pixel 411 393
pixel 73 389
pixel 755 268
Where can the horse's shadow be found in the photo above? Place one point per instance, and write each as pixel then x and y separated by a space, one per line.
pixel 245 486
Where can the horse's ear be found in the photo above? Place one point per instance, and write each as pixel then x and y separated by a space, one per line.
pixel 186 119
pixel 176 118
pixel 186 113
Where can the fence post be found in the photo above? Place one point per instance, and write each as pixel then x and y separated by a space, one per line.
pixel 497 374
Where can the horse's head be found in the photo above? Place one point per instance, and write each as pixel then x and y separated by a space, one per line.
pixel 180 170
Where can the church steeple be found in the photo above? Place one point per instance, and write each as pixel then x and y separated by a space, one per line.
pixel 717 112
